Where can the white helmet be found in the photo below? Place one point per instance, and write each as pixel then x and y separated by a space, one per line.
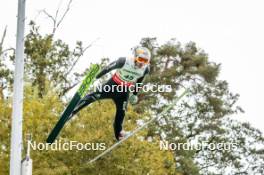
pixel 142 52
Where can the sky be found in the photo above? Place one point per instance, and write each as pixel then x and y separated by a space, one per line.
pixel 231 32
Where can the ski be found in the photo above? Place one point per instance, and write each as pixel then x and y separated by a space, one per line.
pixel 88 80
pixel 169 107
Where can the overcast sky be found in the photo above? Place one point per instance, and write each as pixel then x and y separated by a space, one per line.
pixel 231 32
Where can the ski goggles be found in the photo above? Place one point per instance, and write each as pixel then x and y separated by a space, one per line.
pixel 142 60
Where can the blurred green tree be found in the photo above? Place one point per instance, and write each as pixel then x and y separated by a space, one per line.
pixel 205 116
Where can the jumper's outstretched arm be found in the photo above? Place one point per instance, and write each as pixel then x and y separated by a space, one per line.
pixel 114 65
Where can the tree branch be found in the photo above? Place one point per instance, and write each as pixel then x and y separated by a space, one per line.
pixel 52 18
pixel 73 65
pixel 56 23
pixel 69 88
pixel 64 14
pixel 2 41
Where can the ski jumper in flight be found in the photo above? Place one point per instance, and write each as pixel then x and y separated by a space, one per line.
pixel 129 72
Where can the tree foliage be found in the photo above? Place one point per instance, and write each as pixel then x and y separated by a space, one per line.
pixel 92 125
pixel 50 60
pixel 5 73
pixel 205 116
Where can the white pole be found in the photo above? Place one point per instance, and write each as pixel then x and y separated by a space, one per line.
pixel 17 111
pixel 26 168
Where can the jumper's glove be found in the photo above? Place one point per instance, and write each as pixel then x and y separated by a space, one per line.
pixel 133 99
